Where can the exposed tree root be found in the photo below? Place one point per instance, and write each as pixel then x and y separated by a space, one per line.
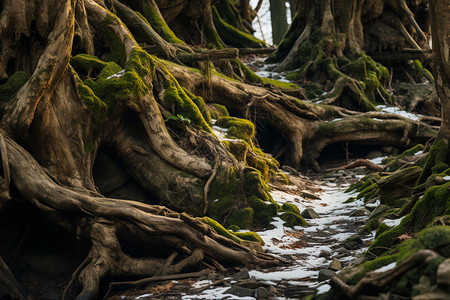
pixel 380 279
pixel 358 163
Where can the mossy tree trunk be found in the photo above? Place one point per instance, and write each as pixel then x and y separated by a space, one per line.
pixel 59 113
pixel 96 134
pixel 329 40
pixel 439 159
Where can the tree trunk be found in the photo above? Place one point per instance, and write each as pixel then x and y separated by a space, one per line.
pixel 91 123
pixel 278 19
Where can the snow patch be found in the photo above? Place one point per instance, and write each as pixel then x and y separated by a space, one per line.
pixel 393 223
pixel 398 111
pixel 117 75
pixel 387 268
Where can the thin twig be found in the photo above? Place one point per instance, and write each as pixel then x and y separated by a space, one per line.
pixel 208 183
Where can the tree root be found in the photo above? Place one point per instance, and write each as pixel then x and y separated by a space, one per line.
pixel 358 163
pixel 156 278
pixel 208 184
pixel 106 257
pixel 380 279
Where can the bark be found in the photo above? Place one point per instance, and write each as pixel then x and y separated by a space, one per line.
pixel 92 91
pixel 278 19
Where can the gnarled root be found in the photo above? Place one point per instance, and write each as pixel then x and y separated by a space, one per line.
pixel 381 279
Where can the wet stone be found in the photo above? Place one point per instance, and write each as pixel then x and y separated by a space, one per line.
pixel 324 253
pixel 360 212
pixel 249 284
pixel 273 291
pixel 353 243
pixel 262 293
pixel 342 250
pixel 240 291
pixel 310 196
pixel 325 274
pixel 242 274
pixel 335 265
pixel 310 213
pixel 290 170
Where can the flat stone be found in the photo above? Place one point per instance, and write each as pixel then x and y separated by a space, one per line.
pixel 240 291
pixel 325 274
pixel 324 253
pixel 310 196
pixel 360 212
pixel 310 213
pixel 262 293
pixel 335 265
pixel 273 291
pixel 353 243
pixel 342 250
pixel 249 284
pixel 242 274
pixel 290 170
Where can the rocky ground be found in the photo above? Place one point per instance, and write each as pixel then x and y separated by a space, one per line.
pixel 330 242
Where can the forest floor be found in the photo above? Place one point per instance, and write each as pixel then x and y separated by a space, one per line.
pixel 331 241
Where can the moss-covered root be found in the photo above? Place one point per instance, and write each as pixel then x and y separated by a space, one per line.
pixel 405 277
pixel 438 160
pixel 234 36
pixel 14 83
pixel 435 203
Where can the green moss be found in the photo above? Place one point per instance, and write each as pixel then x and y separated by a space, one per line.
pixel 233 228
pixel 239 149
pixel 97 107
pixel 370 226
pixel 393 163
pixel 238 237
pixel 292 219
pixel 250 76
pixel 368 192
pixel 439 155
pixel 152 17
pixel 264 211
pixel 175 96
pixel 313 90
pixel 289 207
pixel 257 186
pixel 363 183
pixel 218 111
pixel 419 71
pixel 84 63
pixel 242 217
pixel 435 202
pixel 238 128
pixel 118 53
pixel 281 178
pixel 201 106
pixel 233 36
pixel 230 14
pixel 381 228
pixel 249 236
pixel 14 83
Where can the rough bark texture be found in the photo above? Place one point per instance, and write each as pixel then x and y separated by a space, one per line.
pixel 96 134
